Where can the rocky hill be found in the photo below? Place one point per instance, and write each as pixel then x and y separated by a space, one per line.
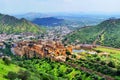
pixel 10 24
pixel 105 33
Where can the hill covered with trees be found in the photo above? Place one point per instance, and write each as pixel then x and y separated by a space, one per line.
pixel 106 33
pixel 10 24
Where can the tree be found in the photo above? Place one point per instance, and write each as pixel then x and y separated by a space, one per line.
pixel 111 64
pixel 7 61
pixel 24 75
pixel 12 75
pixel 68 52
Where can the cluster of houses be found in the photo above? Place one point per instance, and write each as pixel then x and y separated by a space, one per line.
pixel 57 32
pixel 13 38
pixel 16 37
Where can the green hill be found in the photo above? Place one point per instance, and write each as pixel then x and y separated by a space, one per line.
pixel 10 24
pixel 106 34
pixel 4 69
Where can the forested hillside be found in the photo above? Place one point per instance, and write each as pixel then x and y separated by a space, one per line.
pixel 105 33
pixel 10 24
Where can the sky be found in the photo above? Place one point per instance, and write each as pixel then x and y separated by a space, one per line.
pixel 52 6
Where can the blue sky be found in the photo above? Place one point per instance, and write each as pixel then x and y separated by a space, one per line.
pixel 70 6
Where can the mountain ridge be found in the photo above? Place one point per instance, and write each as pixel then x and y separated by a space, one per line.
pixel 11 24
pixel 48 21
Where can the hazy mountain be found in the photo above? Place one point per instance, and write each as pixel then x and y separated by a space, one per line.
pixel 31 15
pixel 48 21
pixel 72 20
pixel 10 24
pixel 81 18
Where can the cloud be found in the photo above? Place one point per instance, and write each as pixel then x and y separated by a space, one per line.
pixel 23 6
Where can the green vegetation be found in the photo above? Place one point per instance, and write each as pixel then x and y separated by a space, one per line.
pixel 108 49
pixel 106 32
pixel 50 70
pixel 21 75
pixel 112 60
pixel 14 72
pixel 5 69
pixel 10 24
pixel 7 61
pixel 7 49
pixel 84 35
pixel 100 64
pixel 114 53
pixel 88 67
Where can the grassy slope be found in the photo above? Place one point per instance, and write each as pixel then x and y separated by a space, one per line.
pixel 4 69
pixel 108 49
pixel 113 51
pixel 84 35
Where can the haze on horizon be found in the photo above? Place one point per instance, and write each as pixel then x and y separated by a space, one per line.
pixel 53 6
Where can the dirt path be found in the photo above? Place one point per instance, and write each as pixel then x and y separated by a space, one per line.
pixel 98 37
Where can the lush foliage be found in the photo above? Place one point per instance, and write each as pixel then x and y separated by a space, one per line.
pixel 10 24
pixel 106 33
pixel 50 70
pixel 5 69
pixel 100 63
pixel 88 67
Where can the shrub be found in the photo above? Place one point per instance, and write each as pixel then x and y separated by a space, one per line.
pixel 103 63
pixel 98 51
pixel 118 72
pixel 7 61
pixel 24 75
pixel 68 53
pixel 74 56
pixel 97 59
pixel 12 75
pixel 111 64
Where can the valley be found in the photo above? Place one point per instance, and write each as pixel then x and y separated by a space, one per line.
pixel 59 39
